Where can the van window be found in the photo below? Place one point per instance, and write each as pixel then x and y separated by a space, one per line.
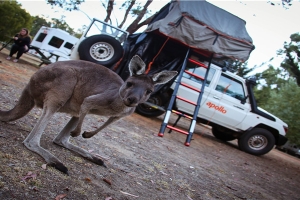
pixel 230 87
pixel 56 42
pixel 41 37
pixel 200 71
pixel 68 45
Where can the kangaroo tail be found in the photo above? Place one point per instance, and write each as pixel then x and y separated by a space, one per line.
pixel 24 105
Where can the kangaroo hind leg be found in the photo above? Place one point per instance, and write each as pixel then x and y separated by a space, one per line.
pixel 32 142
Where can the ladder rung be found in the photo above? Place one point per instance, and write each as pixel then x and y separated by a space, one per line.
pixel 177 129
pixel 197 63
pixel 188 101
pixel 195 75
pixel 191 87
pixel 183 115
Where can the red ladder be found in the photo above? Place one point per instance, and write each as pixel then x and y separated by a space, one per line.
pixel 193 118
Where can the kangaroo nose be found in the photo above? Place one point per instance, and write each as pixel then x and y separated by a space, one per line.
pixel 132 100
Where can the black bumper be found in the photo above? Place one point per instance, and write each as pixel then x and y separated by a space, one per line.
pixel 281 140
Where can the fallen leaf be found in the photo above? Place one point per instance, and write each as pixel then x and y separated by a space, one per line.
pixel 28 176
pixel 126 193
pixel 189 197
pixel 44 166
pixel 61 196
pixel 88 179
pixel 107 181
pixel 163 173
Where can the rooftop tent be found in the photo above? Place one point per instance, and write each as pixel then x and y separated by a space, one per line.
pixel 201 25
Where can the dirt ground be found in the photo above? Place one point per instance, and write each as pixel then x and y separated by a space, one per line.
pixel 140 164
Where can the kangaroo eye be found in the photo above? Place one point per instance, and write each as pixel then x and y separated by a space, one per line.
pixel 148 92
pixel 128 84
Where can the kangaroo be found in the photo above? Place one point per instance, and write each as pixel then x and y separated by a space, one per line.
pixel 79 88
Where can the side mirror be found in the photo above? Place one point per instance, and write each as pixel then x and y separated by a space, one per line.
pixel 251 80
pixel 243 101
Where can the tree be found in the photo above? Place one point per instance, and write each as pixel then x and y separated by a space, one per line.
pixel 13 19
pixel 284 103
pixel 61 24
pixel 37 23
pixel 131 6
pixel 291 62
pixel 269 80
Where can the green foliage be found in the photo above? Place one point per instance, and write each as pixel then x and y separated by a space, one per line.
pixel 66 4
pixel 269 80
pixel 61 24
pixel 13 19
pixel 235 66
pixel 284 103
pixel 37 23
pixel 291 62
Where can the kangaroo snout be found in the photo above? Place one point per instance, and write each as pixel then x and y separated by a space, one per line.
pixel 130 101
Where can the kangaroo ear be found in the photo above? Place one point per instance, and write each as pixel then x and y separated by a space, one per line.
pixel 136 66
pixel 163 77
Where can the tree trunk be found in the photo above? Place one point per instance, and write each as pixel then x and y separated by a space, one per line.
pixel 133 26
pixel 145 22
pixel 132 2
pixel 110 6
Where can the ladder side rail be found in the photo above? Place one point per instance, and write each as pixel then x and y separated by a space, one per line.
pixel 170 106
pixel 193 124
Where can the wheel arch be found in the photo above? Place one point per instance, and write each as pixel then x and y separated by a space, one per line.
pixel 274 131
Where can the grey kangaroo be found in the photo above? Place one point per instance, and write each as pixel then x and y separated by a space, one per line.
pixel 80 88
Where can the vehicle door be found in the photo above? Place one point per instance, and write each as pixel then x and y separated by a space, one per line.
pixel 195 82
pixel 225 102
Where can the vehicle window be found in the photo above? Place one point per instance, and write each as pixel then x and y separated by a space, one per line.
pixel 56 42
pixel 200 71
pixel 41 37
pixel 230 87
pixel 68 45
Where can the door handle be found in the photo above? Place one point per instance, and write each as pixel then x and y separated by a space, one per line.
pixel 216 97
pixel 238 107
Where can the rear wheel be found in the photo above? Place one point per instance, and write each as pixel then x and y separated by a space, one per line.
pixel 101 49
pixel 257 141
pixel 222 135
pixel 149 111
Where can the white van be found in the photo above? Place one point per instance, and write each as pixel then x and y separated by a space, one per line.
pixel 52 42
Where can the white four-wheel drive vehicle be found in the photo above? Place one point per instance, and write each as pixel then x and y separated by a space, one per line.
pixel 210 34
pixel 228 105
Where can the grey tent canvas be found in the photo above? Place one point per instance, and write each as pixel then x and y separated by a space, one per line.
pixel 204 26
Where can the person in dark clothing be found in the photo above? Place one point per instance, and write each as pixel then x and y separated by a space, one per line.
pixel 22 41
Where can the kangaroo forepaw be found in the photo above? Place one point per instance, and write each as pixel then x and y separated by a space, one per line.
pixel 59 166
pixel 87 134
pixel 75 133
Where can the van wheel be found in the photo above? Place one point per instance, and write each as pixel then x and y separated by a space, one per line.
pixel 257 141
pixel 222 135
pixel 101 49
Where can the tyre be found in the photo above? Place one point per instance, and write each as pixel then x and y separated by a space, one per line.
pixel 148 111
pixel 222 135
pixel 101 49
pixel 257 141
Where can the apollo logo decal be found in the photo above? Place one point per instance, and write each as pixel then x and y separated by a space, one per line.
pixel 214 106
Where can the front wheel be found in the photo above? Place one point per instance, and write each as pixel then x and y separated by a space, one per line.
pixel 257 141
